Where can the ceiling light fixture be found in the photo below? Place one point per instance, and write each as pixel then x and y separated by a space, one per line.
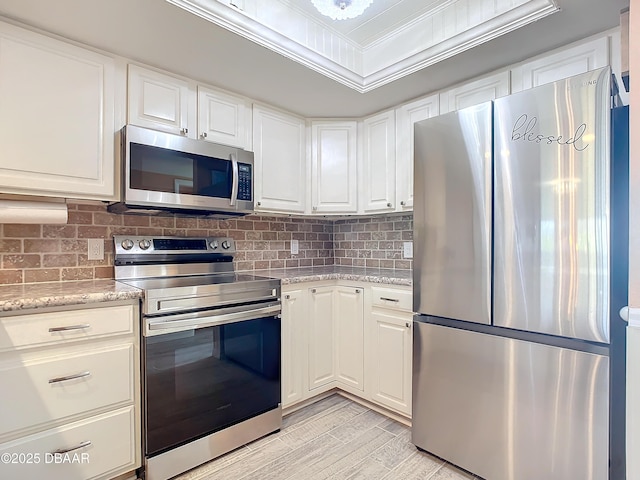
pixel 341 9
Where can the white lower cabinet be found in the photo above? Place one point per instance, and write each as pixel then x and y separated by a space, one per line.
pixel 389 364
pixel 352 336
pixel 321 328
pixel 101 446
pixel 72 410
pixel 348 317
pixel 293 345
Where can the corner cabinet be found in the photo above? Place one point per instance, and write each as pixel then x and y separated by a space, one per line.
pixel 333 167
pixel 56 117
pixel 406 116
pixel 350 336
pixel 378 173
pixel 280 159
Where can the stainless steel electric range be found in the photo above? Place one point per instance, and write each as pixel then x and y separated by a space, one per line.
pixel 210 349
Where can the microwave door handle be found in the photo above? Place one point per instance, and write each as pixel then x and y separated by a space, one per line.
pixel 234 183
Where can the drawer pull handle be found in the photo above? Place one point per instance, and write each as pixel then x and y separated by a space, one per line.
pixel 69 327
pixel 387 299
pixel 70 377
pixel 67 450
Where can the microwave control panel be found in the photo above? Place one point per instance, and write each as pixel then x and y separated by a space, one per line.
pixel 244 181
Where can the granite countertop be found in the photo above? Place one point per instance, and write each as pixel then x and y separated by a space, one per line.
pixel 338 272
pixel 55 294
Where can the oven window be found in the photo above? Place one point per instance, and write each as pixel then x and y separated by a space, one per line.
pixel 201 381
pixel 162 170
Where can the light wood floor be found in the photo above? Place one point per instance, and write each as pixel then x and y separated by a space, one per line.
pixel 333 439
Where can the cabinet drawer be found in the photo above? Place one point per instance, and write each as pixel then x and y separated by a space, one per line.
pixel 111 451
pixel 395 299
pixel 43 390
pixel 40 329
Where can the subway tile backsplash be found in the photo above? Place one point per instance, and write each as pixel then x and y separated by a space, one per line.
pixel 44 253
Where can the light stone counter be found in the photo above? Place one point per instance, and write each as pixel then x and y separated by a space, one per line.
pixel 55 294
pixel 337 272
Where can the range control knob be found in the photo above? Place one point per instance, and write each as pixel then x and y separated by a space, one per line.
pixel 213 244
pixel 226 245
pixel 144 244
pixel 127 244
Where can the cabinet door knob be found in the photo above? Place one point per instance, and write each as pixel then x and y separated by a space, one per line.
pixel 408 325
pixel 357 290
pixel 287 297
pixel 389 204
pixel 259 203
pixel 203 134
pixel 403 203
pixel 184 131
pixel 313 290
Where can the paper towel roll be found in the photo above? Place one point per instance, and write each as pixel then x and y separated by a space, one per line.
pixel 14 211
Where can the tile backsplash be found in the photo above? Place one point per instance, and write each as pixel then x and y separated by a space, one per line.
pixel 44 253
pixel 373 241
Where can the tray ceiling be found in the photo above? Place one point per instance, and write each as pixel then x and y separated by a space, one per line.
pixel 389 40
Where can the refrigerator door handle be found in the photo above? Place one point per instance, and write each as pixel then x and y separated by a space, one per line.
pixel 624 313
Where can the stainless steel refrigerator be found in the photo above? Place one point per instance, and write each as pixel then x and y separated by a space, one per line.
pixel 512 282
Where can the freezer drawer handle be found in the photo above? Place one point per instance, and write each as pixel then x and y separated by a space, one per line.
pixel 387 299
pixel 61 451
pixel 70 377
pixel 69 327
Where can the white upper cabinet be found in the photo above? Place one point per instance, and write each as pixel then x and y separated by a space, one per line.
pixel 56 117
pixel 406 116
pixel 175 105
pixel 333 167
pixel 475 92
pixel 280 159
pixel 224 118
pixel 560 64
pixel 161 102
pixel 378 173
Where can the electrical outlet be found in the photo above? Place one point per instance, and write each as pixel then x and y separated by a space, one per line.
pixel 95 249
pixel 408 249
pixel 294 247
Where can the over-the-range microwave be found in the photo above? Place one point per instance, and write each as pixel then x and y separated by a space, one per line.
pixel 162 172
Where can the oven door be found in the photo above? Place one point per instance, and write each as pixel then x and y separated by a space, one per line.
pixel 207 376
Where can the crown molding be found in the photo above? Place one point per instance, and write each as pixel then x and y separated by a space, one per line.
pixel 420 43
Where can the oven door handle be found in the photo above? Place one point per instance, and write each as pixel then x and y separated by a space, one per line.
pixel 194 321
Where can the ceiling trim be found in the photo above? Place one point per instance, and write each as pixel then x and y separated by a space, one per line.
pixel 439 34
